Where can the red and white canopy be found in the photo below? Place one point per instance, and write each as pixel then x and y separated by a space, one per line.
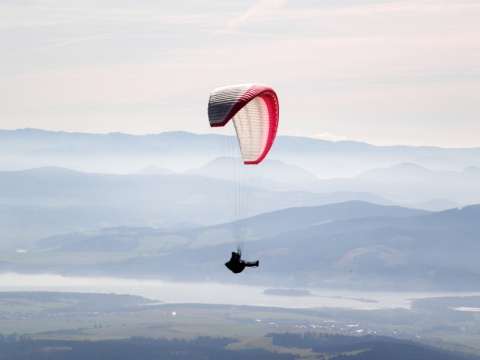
pixel 254 110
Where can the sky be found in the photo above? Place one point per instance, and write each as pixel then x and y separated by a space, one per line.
pixel 381 72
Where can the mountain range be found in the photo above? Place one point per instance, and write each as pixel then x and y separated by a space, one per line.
pixel 430 178
pixel 44 201
pixel 326 213
pixel 182 151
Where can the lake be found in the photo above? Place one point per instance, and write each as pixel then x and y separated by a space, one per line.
pixel 214 293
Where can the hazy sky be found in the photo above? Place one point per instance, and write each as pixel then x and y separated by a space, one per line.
pixel 383 72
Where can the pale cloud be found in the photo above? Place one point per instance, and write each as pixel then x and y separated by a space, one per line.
pixel 86 38
pixel 416 8
pixel 260 8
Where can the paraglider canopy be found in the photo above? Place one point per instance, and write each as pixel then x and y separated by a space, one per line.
pixel 247 116
pixel 254 111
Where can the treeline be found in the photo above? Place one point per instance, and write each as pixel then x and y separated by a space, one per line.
pixel 342 347
pixel 401 351
pixel 367 347
pixel 326 343
pixel 200 348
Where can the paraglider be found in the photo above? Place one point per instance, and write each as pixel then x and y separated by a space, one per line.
pixel 236 264
pixel 252 112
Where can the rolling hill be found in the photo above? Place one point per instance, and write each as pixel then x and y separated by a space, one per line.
pixel 423 177
pixel 327 213
pixel 353 244
pixel 39 202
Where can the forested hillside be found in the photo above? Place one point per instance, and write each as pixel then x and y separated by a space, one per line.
pixel 322 346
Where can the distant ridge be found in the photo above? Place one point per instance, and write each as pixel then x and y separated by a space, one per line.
pixel 353 245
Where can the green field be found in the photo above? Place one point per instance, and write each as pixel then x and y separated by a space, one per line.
pixel 75 316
